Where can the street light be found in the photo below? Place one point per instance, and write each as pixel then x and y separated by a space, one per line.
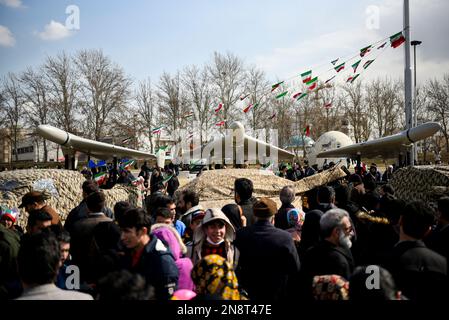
pixel 415 43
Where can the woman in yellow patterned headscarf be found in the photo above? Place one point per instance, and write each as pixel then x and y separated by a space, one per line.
pixel 214 278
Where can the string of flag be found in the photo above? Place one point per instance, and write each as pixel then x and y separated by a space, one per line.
pixel 311 83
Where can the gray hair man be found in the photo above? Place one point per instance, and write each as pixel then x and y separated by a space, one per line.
pixel 331 255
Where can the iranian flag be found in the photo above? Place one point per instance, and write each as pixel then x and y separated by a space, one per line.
pixel 220 123
pixel 312 84
pixel 220 106
pixel 306 76
pixel 157 130
pixel 355 65
pixel 302 95
pixel 307 131
pixel 355 77
pixel 367 64
pixel 276 85
pixel 100 178
pixel 250 107
pixel 328 105
pixel 330 79
pixel 397 39
pixel 334 61
pixel 364 51
pixel 283 94
pixel 296 95
pixel 381 46
pixel 127 164
pixel 340 67
pixel 349 79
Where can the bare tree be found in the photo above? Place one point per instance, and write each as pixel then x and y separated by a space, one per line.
pixel 227 72
pixel 423 115
pixel 105 90
pixel 383 98
pixel 62 82
pixel 254 95
pixel 438 95
pixel 172 103
pixel 12 105
pixel 146 106
pixel 325 109
pixel 38 104
pixel 356 111
pixel 197 85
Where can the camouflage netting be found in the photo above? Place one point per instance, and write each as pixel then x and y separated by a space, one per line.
pixel 426 183
pixel 216 187
pixel 62 186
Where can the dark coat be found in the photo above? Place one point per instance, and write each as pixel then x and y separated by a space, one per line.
pixel 280 219
pixel 438 241
pixel 81 243
pixel 172 185
pixel 420 273
pixel 157 265
pixel 325 258
pixel 268 261
pixel 81 212
pixel 247 209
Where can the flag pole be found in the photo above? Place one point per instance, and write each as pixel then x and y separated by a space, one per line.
pixel 408 89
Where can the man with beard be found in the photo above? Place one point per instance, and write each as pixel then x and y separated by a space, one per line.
pixel 188 206
pixel 331 255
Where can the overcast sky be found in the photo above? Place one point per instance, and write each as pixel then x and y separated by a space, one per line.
pixel 281 37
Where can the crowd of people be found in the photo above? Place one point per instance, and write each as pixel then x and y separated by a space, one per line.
pixel 346 234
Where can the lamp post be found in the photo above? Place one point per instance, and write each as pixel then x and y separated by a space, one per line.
pixel 415 43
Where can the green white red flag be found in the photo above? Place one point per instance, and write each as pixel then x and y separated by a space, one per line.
pixel 283 94
pixel 306 76
pixel 364 51
pixel 340 67
pixel 367 64
pixel 276 85
pixel 397 39
pixel 157 130
pixel 381 46
pixel 330 79
pixel 355 65
pixel 250 107
pixel 355 77
pixel 100 178
pixel 307 131
pixel 312 84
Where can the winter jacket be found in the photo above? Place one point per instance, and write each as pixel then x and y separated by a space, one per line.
pixel 171 237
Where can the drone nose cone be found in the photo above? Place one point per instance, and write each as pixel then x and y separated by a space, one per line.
pixel 424 130
pixel 53 134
